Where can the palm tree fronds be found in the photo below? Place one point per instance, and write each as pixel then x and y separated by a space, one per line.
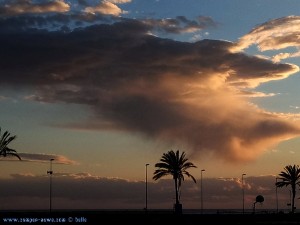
pixel 290 177
pixel 6 138
pixel 174 164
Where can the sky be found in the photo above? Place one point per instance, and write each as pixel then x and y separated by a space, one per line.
pixel 106 87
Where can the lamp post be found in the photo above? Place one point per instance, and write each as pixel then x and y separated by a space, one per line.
pixel 201 192
pixel 50 172
pixel 243 192
pixel 276 195
pixel 146 207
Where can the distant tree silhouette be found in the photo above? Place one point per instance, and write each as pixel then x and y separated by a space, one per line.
pixel 6 138
pixel 174 164
pixel 290 176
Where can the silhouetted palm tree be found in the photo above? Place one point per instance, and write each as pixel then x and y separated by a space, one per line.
pixel 290 176
pixel 4 141
pixel 174 164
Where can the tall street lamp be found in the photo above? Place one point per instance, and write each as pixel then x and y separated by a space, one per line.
pixel 146 207
pixel 243 192
pixel 276 195
pixel 50 172
pixel 201 192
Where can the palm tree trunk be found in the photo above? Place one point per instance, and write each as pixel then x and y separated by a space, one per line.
pixel 176 190
pixel 293 197
pixel 177 206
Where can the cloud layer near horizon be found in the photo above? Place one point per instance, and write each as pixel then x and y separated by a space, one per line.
pixel 85 191
pixel 176 92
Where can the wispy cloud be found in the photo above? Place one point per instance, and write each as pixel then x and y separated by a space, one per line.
pixel 2 98
pixel 40 157
pixel 275 34
pixel 180 24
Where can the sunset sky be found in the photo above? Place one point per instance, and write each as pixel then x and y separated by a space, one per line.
pixel 105 87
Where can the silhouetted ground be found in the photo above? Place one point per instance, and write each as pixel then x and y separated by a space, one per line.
pixel 143 218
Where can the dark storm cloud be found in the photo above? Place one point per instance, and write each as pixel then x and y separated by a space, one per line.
pixel 178 92
pixel 95 47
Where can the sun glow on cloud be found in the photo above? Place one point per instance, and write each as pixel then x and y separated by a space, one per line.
pixel 104 7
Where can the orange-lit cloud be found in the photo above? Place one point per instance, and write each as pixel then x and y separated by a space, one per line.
pixel 105 7
pixel 18 7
